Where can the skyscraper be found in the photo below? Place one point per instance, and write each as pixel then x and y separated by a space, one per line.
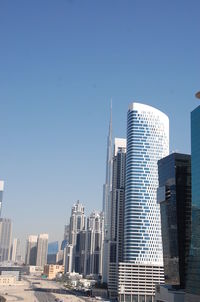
pixel 1 194
pixel 117 214
pixel 193 275
pixel 174 196
pixel 52 252
pixel 107 188
pixel 77 224
pixel 5 239
pixel 31 250
pixel 42 247
pixel 94 244
pixel 15 250
pixel 147 142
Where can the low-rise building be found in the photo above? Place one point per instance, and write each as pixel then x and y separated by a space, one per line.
pixel 7 279
pixel 51 270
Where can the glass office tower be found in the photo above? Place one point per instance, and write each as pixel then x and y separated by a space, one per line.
pixel 193 275
pixel 147 142
pixel 174 196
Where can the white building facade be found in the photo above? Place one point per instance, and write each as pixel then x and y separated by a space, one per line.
pixel 147 142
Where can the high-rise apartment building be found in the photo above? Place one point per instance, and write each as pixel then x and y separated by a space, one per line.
pixel 94 244
pixel 1 194
pixel 5 239
pixel 193 274
pixel 31 250
pixel 147 142
pixel 77 225
pixel 68 258
pixel 117 214
pixel 15 250
pixel 77 222
pixel 83 253
pixel 174 196
pixel 42 247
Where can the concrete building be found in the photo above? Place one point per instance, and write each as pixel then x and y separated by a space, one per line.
pixel 51 270
pixel 42 247
pixel 117 215
pixel 147 142
pixel 31 250
pixel 5 239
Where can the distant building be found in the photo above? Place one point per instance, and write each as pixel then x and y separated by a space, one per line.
pixel 68 258
pixel 107 188
pixel 5 239
pixel 174 196
pixel 60 257
pixel 64 244
pixel 83 254
pixel 15 250
pixel 93 248
pixel 42 246
pixel 52 252
pixel 77 224
pixel 1 194
pixel 7 280
pixel 31 250
pixel 117 215
pixel 52 270
pixel 66 232
pixel 16 271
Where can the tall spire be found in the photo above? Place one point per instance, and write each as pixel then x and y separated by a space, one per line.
pixel 108 182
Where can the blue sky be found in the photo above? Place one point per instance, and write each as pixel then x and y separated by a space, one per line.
pixel 60 63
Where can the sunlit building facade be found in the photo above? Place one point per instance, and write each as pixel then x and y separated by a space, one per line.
pixel 147 142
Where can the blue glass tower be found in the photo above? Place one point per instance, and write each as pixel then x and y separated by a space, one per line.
pixel 193 275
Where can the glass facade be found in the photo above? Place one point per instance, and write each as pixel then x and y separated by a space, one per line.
pixel 175 207
pixel 193 276
pixel 147 142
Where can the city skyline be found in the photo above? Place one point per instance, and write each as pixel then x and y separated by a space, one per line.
pixel 48 141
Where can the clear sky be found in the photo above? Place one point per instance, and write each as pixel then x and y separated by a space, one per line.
pixel 60 63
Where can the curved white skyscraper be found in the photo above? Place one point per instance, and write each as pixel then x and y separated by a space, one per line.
pixel 147 142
